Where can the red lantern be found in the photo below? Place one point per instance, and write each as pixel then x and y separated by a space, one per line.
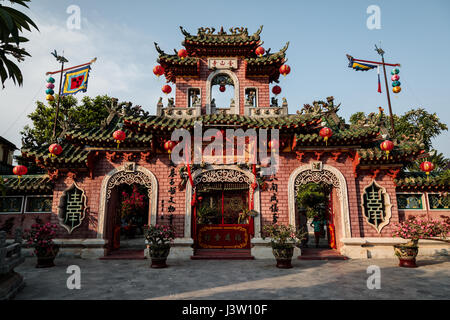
pixel 222 88
pixel 19 171
pixel 276 90
pixel 182 53
pixel 55 149
pixel 387 146
pixel 200 198
pixel 260 51
pixel 119 136
pixel 158 70
pixel 285 69
pixel 169 145
pixel 326 133
pixel 427 167
pixel 166 89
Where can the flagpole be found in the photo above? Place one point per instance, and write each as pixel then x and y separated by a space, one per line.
pixel 381 53
pixel 59 100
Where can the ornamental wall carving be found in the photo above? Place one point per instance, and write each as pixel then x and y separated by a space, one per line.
pixel 129 177
pixel 222 175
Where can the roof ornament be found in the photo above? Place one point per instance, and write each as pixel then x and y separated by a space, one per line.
pixel 221 32
pixel 161 52
pixel 258 32
pixel 184 32
pixel 286 46
pixel 239 31
pixel 203 31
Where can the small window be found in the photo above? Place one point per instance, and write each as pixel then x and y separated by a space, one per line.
pixel 11 204
pixel 439 201
pixel 72 208
pixel 38 204
pixel 194 97
pixel 376 206
pixel 251 98
pixel 409 201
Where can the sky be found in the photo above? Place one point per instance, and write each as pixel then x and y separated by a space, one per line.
pixel 121 35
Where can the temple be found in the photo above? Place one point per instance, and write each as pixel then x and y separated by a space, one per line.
pixel 221 203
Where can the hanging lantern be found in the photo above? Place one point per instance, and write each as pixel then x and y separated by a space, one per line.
pixel 326 133
pixel 51 80
pixel 260 51
pixel 169 145
pixel 50 97
pixel 396 89
pixel 285 69
pixel 222 88
pixel 166 89
pixel 427 167
pixel 276 90
pixel 387 146
pixel 199 198
pixel 396 83
pixel 182 53
pixel 50 86
pixel 19 171
pixel 119 136
pixel 395 77
pixel 273 145
pixel 395 71
pixel 55 149
pixel 158 70
pixel 49 91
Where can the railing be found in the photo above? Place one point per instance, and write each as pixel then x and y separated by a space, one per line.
pixel 10 254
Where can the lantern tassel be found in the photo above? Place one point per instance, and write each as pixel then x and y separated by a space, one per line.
pixel 387 154
pixel 428 175
pixel 326 141
pixel 118 143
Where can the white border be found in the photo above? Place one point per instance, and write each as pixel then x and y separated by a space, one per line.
pixel 37 196
pixel 21 207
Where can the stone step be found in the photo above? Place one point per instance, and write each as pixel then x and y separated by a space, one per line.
pixel 321 254
pixel 222 254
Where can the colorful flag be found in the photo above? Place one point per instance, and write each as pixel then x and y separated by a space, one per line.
pixel 75 81
pixel 358 66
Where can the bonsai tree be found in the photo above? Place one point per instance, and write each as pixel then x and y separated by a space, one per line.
pixel 414 229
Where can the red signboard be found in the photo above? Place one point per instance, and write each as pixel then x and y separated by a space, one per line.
pixel 231 236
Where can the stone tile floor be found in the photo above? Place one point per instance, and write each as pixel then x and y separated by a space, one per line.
pixel 237 279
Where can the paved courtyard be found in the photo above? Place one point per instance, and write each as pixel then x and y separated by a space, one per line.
pixel 219 279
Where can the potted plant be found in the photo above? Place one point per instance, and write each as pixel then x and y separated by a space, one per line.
pixel 283 239
pixel 40 237
pixel 414 229
pixel 206 215
pixel 245 215
pixel 159 238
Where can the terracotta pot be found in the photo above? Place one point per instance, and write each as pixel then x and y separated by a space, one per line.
pixel 407 254
pixel 158 255
pixel 47 260
pixel 283 255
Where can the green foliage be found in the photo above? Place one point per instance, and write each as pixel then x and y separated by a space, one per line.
pixel 13 22
pixel 312 197
pixel 207 215
pixel 445 177
pixel 88 114
pixel 419 121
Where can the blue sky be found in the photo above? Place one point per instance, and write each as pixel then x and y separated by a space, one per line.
pixel 121 35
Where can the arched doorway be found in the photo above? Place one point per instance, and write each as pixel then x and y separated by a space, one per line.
pixel 230 81
pixel 128 176
pixel 225 191
pixel 319 173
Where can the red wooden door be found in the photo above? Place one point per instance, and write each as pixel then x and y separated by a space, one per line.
pixel 224 232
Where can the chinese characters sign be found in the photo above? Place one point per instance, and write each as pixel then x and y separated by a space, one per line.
pixel 222 63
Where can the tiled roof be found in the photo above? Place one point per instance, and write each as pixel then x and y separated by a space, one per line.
pixel 72 156
pixel 419 181
pixel 103 137
pixel 348 136
pixel 162 122
pixel 37 184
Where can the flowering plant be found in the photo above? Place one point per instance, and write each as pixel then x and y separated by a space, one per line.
pixel 41 236
pixel 415 229
pixel 131 202
pixel 159 234
pixel 283 236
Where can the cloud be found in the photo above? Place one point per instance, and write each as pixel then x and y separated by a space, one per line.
pixel 122 69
